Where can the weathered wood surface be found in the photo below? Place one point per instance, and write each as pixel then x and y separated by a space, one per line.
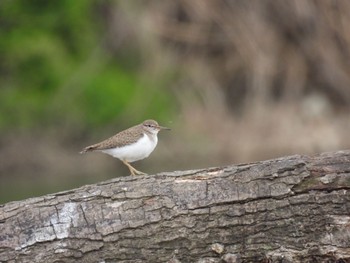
pixel 291 209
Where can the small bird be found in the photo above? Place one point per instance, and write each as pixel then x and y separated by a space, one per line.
pixel 130 145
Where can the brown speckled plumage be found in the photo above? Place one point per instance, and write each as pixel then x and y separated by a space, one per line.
pixel 121 139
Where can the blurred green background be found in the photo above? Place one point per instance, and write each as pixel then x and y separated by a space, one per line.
pixel 237 81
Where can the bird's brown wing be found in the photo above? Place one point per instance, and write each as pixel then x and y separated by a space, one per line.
pixel 119 140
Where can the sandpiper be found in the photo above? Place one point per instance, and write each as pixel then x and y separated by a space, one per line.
pixel 130 145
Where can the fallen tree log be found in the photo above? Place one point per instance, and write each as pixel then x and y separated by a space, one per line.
pixel 291 209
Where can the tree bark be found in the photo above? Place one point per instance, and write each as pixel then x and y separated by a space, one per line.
pixel 291 209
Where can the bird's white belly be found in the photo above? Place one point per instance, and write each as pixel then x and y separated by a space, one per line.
pixel 134 152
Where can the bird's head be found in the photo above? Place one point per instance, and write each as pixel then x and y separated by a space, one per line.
pixel 153 126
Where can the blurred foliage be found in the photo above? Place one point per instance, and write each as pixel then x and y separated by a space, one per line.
pixel 55 66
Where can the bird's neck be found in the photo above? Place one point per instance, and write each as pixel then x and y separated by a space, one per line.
pixel 152 136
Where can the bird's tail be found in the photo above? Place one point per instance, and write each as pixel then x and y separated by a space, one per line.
pixel 87 149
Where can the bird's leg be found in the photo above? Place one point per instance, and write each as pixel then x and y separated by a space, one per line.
pixel 133 171
pixel 138 172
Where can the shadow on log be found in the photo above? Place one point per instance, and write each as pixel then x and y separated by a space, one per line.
pixel 291 209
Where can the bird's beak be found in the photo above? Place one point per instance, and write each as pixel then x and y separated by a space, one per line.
pixel 163 128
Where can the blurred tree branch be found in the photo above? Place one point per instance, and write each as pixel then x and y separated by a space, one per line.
pixel 262 50
pixel 291 209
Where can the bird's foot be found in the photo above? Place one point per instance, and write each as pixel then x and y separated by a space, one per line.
pixel 137 172
pixel 133 171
